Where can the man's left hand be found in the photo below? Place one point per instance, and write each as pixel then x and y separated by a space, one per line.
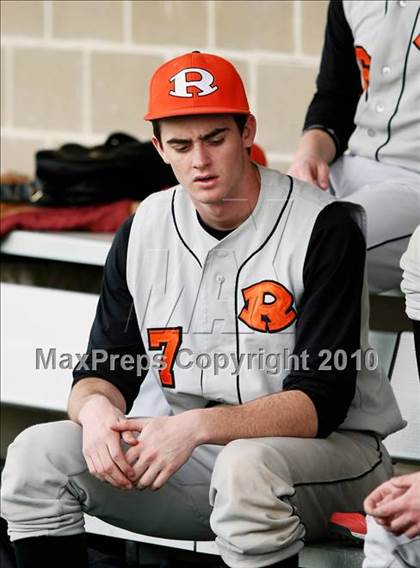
pixel 164 444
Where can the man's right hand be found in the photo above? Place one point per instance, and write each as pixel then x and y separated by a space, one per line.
pixel 310 163
pixel 396 504
pixel 310 168
pixel 102 449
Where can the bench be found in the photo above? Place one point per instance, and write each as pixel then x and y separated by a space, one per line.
pixel 41 318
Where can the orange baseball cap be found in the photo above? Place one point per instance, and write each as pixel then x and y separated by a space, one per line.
pixel 196 83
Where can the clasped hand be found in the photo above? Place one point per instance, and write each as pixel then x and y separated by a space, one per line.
pixel 396 505
pixel 163 445
pixel 157 447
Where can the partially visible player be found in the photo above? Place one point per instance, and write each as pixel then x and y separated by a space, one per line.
pixel 367 100
pixel 218 276
pixel 410 263
pixel 393 524
pixel 393 536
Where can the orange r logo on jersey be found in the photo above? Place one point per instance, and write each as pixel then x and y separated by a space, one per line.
pixel 417 42
pixel 268 307
pixel 363 60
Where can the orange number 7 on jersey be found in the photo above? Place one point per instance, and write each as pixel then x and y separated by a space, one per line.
pixel 169 340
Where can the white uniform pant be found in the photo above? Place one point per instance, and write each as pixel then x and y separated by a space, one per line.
pixel 260 497
pixel 385 550
pixel 410 285
pixel 391 198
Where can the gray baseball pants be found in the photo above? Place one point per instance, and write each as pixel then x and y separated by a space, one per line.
pixel 390 196
pixel 260 497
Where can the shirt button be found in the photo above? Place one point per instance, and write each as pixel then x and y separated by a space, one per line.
pixel 221 253
pixel 220 279
pixel 371 132
pixel 402 3
pixel 380 107
pixel 386 70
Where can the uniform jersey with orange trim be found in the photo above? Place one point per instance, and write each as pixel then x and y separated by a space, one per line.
pixel 368 91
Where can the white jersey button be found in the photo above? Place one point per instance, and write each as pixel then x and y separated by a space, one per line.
pixel 371 132
pixel 386 70
pixel 402 3
pixel 221 253
pixel 220 279
pixel 380 107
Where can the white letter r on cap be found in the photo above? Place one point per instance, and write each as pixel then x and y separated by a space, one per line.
pixel 181 83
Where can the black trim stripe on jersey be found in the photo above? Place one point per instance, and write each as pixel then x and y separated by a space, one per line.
pixel 386 7
pixel 129 317
pixel 388 241
pixel 178 231
pixel 402 89
pixel 238 390
pixel 353 478
pixel 394 356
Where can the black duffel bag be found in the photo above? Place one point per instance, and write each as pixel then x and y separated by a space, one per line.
pixel 121 168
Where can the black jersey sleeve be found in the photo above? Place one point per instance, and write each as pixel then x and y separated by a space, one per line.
pixel 338 83
pixel 329 317
pixel 115 343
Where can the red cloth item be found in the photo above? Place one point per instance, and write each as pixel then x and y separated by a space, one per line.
pixel 350 526
pixel 258 155
pixel 92 218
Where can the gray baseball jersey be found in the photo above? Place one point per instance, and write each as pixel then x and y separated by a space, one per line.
pixel 234 300
pixel 387 44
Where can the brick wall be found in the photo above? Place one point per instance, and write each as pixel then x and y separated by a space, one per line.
pixel 78 70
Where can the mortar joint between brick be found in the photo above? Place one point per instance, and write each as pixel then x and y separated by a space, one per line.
pixel 297 28
pixel 211 24
pixel 9 86
pixel 253 85
pixel 148 49
pixel 86 92
pixel 50 138
pixel 48 19
pixel 80 44
pixel 127 21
